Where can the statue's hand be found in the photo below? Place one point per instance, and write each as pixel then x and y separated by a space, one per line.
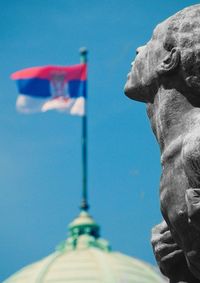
pixel 166 251
pixel 192 198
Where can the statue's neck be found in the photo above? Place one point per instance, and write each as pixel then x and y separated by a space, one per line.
pixel 166 114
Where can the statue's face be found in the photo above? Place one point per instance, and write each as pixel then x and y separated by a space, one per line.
pixel 143 76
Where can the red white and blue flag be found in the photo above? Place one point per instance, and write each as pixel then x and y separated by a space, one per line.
pixel 52 87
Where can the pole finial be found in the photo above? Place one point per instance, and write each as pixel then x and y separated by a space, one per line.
pixel 84 205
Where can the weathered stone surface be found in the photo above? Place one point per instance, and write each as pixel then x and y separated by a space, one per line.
pixel 166 76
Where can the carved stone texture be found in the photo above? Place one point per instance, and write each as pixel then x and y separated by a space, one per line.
pixel 166 76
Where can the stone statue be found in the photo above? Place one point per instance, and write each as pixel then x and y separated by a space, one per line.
pixel 166 76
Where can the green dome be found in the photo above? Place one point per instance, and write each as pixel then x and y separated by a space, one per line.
pixel 85 257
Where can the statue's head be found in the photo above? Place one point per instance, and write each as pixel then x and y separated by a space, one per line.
pixel 173 53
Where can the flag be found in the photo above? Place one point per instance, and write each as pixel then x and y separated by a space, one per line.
pixel 52 87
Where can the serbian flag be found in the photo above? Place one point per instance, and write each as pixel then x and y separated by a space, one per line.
pixel 52 88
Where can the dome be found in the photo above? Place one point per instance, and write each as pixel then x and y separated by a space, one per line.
pixel 85 257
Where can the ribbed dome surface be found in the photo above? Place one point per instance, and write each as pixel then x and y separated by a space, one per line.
pixel 87 265
pixel 85 257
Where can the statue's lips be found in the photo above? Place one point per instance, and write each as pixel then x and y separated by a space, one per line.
pixel 128 75
pixel 127 87
pixel 127 84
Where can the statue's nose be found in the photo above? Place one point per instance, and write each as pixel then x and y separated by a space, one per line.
pixel 139 49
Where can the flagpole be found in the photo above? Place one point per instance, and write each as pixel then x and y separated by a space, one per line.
pixel 84 202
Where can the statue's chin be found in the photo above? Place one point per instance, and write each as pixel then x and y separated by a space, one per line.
pixel 127 88
pixel 130 88
pixel 134 92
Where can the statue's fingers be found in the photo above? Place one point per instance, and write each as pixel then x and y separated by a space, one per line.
pixel 160 228
pixel 169 262
pixel 158 239
pixel 166 237
pixel 166 251
pixel 155 239
pixel 163 226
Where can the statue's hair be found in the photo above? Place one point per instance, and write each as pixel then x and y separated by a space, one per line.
pixel 184 33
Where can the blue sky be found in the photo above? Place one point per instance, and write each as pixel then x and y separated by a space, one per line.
pixel 40 154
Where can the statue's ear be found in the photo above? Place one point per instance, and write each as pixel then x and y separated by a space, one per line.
pixel 170 62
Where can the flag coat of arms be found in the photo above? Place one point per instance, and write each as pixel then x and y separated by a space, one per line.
pixel 52 87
